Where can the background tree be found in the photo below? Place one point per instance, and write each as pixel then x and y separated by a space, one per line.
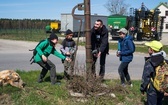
pixel 117 7
pixel 25 23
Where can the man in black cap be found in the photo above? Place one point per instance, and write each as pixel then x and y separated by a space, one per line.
pixel 44 49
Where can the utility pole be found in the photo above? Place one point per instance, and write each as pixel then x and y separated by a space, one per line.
pixel 88 37
pixel 86 7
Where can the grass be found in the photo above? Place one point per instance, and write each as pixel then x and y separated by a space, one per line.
pixel 45 93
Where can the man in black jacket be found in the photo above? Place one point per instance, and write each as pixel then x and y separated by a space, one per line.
pixel 100 46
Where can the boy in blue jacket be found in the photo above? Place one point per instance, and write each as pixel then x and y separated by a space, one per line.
pixel 125 52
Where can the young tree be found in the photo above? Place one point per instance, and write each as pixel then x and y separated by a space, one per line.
pixel 117 7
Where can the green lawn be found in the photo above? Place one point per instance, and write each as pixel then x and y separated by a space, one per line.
pixel 47 94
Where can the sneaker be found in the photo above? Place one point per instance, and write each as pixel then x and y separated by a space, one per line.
pixel 40 80
pixel 56 83
pixel 101 78
pixel 131 85
pixel 123 85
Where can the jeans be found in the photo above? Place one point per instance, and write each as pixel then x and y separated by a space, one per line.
pixel 45 67
pixel 123 72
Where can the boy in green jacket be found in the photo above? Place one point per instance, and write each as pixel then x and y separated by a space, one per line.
pixel 44 49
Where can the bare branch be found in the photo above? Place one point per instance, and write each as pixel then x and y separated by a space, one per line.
pixel 117 7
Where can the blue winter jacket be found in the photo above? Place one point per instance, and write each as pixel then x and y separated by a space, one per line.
pixel 126 47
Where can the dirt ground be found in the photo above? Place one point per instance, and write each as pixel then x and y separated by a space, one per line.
pixel 5 99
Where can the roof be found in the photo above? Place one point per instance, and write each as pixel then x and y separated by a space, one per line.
pixel 83 14
pixel 161 3
pixel 117 15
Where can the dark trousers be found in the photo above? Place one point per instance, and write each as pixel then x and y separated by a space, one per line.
pixel 45 67
pixel 154 97
pixel 102 65
pixel 123 72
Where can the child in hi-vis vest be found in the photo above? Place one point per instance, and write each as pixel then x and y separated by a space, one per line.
pixel 68 48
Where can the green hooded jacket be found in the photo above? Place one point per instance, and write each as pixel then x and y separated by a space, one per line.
pixel 47 51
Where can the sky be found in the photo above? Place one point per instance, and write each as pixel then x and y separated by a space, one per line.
pixel 52 9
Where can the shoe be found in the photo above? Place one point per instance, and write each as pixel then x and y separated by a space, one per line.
pixel 101 78
pixel 123 85
pixel 56 83
pixel 40 81
pixel 131 85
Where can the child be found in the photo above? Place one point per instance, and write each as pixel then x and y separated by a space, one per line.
pixel 155 59
pixel 68 48
pixel 125 52
pixel 44 49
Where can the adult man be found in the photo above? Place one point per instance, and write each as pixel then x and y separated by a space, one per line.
pixel 125 52
pixel 99 42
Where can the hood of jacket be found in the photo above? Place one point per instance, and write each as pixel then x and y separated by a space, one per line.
pixel 129 37
pixel 156 59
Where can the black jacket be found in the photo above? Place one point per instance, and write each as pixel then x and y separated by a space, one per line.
pixel 149 69
pixel 99 39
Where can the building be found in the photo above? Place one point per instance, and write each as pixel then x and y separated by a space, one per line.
pixel 68 22
pixel 163 7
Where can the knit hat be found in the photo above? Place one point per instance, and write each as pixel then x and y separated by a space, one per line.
pixel 123 30
pixel 53 36
pixel 68 32
pixel 155 45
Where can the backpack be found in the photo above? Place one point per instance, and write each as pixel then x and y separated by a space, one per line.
pixel 133 45
pixel 120 42
pixel 35 51
pixel 160 80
